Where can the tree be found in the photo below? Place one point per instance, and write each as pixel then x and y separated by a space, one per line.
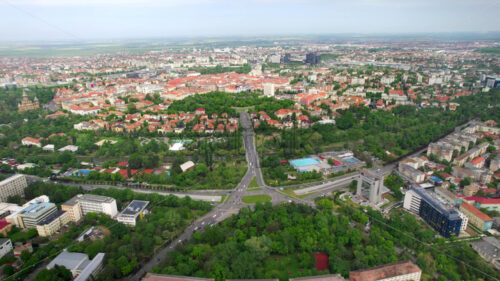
pixel 58 273
pixel 219 273
pixel 135 161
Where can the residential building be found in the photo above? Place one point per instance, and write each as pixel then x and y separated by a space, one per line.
pixel 29 141
pixel 411 172
pixel 399 271
pixel 82 204
pixel 446 221
pixel 136 209
pixel 370 186
pixel 187 166
pixel 52 223
pixel 269 90
pixel 5 247
pixel 79 264
pixel 32 215
pixel 450 197
pixel 490 204
pixel 476 217
pixel 11 186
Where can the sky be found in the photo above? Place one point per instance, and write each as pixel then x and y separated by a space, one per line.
pixel 78 20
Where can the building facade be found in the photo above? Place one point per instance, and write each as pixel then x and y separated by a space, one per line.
pixel 5 247
pixel 89 203
pixel 476 217
pixel 11 186
pixel 52 223
pixel 370 186
pixel 32 215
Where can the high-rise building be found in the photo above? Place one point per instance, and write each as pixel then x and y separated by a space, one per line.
pixel 312 58
pixel 269 90
pixel 447 221
pixel 82 204
pixel 11 186
pixel 370 186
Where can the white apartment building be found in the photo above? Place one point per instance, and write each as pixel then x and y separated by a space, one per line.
pixel 269 90
pixel 82 204
pixel 5 247
pixel 11 186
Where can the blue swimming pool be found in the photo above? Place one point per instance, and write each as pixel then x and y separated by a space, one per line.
pixel 351 160
pixel 81 173
pixel 297 163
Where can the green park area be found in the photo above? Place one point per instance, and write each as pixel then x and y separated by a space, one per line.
pixel 258 198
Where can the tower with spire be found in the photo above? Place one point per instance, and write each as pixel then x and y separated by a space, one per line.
pixel 26 104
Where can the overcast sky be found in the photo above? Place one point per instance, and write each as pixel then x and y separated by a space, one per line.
pixel 33 20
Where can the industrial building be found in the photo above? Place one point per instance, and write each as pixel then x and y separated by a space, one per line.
pixel 79 264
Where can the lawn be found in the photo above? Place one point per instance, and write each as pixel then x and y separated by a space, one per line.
pixel 253 186
pixel 259 198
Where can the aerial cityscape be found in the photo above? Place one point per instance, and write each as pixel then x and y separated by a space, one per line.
pixel 214 140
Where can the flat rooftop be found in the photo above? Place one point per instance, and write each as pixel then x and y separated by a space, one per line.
pixel 134 208
pixel 89 197
pixel 36 209
pixel 9 179
pixel 51 217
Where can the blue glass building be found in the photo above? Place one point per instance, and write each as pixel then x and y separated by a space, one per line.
pixel 446 222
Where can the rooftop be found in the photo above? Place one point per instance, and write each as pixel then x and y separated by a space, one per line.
pixel 36 209
pixel 134 208
pixel 384 271
pixel 89 197
pixel 482 216
pixel 9 179
pixel 51 217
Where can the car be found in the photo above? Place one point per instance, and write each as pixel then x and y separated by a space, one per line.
pixel 214 216
pixel 180 240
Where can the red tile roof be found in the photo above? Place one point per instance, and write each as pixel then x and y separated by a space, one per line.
pixel 482 216
pixel 384 271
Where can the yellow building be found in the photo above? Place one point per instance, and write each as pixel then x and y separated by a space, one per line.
pixel 26 104
pixel 52 223
pixel 73 209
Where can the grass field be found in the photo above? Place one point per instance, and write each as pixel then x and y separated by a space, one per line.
pixel 259 198
pixel 253 186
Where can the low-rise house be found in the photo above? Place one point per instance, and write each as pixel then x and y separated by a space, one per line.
pixel 476 217
pixel 29 141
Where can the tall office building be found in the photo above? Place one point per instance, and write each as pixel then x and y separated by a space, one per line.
pixel 82 204
pixel 11 186
pixel 370 186
pixel 447 221
pixel 312 58
pixel 269 90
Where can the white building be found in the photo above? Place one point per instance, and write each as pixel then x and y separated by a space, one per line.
pixel 48 147
pixel 71 148
pixel 28 141
pixel 82 204
pixel 5 247
pixel 412 201
pixel 11 186
pixel 269 90
pixel 79 264
pixel 186 166
pixel 136 209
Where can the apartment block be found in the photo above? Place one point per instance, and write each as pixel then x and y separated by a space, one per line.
pixel 11 186
pixel 82 204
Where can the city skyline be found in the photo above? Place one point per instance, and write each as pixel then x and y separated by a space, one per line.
pixel 56 20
